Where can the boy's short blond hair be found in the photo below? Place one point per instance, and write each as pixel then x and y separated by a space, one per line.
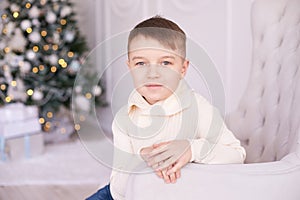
pixel 168 33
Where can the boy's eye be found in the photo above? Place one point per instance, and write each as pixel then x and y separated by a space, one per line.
pixel 165 63
pixel 140 64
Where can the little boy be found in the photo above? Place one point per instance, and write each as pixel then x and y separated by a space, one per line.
pixel 165 124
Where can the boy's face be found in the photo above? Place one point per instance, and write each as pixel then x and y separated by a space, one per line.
pixel 156 69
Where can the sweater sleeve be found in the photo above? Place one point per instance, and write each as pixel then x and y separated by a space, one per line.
pixel 124 160
pixel 214 142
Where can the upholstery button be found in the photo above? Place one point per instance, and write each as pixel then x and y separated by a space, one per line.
pixel 278 99
pixel 279 69
pixel 263 65
pixel 262 92
pixel 263 121
pixel 247 142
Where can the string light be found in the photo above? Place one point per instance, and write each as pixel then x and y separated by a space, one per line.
pixel 5 67
pixel 6 49
pixel 55 47
pixel 49 114
pixel 48 125
pixel 42 120
pixel 29 30
pixel 43 2
pixel 13 83
pixel 28 5
pixel 3 87
pixel 64 65
pixel 4 16
pixel 15 14
pixel 53 69
pixel 70 54
pixel 82 118
pixel 63 22
pixel 4 31
pixel 61 61
pixel 63 130
pixel 35 70
pixel 41 67
pixel 21 63
pixel 46 47
pixel 8 99
pixel 35 48
pixel 29 92
pixel 88 95
pixel 77 127
pixel 44 33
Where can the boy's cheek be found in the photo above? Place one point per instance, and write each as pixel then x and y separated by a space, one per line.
pixel 165 76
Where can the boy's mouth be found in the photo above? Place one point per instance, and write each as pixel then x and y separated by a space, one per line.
pixel 153 85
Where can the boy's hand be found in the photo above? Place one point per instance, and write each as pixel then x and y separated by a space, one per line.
pixel 145 152
pixel 171 178
pixel 176 152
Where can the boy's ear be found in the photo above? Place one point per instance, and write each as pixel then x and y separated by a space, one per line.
pixel 127 62
pixel 185 67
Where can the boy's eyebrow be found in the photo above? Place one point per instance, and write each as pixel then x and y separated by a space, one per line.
pixel 137 57
pixel 140 57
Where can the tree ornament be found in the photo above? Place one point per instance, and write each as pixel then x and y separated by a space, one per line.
pixel 53 59
pixel 18 41
pixel 30 55
pixel 69 36
pixel 25 68
pixel 14 8
pixel 13 60
pixel 35 37
pixel 65 11
pixel 51 17
pixel 34 12
pixel 10 27
pixel 37 95
pixel 25 24
pixel 82 103
pixel 97 91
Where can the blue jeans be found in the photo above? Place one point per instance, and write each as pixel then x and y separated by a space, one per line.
pixel 102 194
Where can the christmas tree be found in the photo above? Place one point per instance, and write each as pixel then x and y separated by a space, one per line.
pixel 41 50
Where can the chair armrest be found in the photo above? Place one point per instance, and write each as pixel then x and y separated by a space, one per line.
pixel 264 181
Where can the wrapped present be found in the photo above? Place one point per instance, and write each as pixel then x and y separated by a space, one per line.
pixel 20 131
pixel 19 128
pixel 17 112
pixel 22 147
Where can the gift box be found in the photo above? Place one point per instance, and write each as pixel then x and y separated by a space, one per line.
pixel 20 132
pixel 24 147
pixel 17 112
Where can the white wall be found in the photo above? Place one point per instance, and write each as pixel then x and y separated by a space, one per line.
pixel 222 27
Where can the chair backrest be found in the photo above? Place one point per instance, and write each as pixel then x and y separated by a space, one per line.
pixel 267 120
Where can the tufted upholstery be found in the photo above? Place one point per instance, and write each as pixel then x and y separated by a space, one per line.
pixel 268 118
pixel 267 122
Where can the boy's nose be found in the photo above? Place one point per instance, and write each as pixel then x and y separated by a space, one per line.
pixel 153 71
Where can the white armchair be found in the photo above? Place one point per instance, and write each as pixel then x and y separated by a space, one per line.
pixel 267 122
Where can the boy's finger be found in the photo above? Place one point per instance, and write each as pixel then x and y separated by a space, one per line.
pixel 166 177
pixel 178 174
pixel 167 163
pixel 159 144
pixel 158 150
pixel 159 174
pixel 175 168
pixel 159 159
pixel 172 178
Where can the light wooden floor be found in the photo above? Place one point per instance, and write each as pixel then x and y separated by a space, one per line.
pixel 47 192
pixel 64 172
